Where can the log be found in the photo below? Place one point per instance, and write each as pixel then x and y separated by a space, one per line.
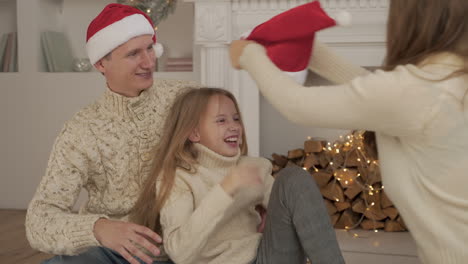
pixel 336 158
pixel 348 219
pixel 280 160
pixel 353 190
pixel 372 197
pixel 334 218
pixel 313 146
pixel 333 191
pixel 341 206
pixel 363 173
pixel 311 160
pixel 374 213
pixel 351 159
pixel 371 225
pixel 275 168
pixel 401 222
pixel 393 226
pixel 324 160
pixel 291 164
pixel 374 210
pixel 347 177
pixel 391 212
pixel 359 206
pixel 295 153
pixel 299 162
pixel 321 178
pixel 374 175
pixel 331 208
pixel 385 201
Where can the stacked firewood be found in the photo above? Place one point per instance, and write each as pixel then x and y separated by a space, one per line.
pixel 349 181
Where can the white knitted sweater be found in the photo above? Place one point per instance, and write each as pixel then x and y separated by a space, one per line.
pixel 202 224
pixel 106 148
pixel 421 123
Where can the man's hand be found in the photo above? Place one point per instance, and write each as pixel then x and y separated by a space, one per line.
pixel 235 51
pixel 122 237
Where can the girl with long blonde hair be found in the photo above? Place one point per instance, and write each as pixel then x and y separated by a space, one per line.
pixel 204 190
pixel 417 106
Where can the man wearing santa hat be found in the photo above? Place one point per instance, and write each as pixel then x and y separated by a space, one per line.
pixel 106 149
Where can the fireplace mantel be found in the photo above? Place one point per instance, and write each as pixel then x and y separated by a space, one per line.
pixel 218 22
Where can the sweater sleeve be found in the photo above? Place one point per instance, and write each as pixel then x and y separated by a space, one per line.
pixel 379 101
pixel 332 67
pixel 186 229
pixel 51 226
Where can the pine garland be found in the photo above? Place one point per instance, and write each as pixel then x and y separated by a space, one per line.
pixel 157 10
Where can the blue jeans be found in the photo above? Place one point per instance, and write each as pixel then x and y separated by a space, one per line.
pixel 297 224
pixel 95 255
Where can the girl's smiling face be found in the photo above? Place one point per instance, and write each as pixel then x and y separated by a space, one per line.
pixel 220 128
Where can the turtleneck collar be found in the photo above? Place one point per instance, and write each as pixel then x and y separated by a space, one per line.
pixel 438 66
pixel 212 160
pixel 123 106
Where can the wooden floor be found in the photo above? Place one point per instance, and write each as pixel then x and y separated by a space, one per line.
pixel 369 247
pixel 14 248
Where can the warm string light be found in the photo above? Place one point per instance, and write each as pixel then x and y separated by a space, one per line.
pixel 347 145
pixel 157 10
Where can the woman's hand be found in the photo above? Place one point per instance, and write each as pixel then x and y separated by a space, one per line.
pixel 235 51
pixel 263 213
pixel 122 237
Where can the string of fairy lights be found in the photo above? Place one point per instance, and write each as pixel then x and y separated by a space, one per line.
pixel 342 152
pixel 157 10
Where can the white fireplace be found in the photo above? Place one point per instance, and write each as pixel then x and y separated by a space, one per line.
pixel 217 22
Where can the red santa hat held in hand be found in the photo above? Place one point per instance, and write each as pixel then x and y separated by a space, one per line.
pixel 289 36
pixel 115 25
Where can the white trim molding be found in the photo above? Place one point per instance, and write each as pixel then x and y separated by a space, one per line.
pixel 217 22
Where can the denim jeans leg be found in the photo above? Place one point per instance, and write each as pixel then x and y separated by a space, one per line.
pixel 95 255
pixel 98 255
pixel 297 224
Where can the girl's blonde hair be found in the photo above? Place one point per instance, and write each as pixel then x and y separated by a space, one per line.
pixel 174 151
pixel 418 29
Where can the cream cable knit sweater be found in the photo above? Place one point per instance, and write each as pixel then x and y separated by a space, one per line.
pixel 422 136
pixel 106 149
pixel 202 224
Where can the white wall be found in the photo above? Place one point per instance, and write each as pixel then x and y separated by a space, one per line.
pixel 8 15
pixel 34 104
pixel 279 135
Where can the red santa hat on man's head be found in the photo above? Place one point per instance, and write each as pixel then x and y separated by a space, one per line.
pixel 289 36
pixel 115 25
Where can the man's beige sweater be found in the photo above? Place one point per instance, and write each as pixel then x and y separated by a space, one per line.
pixel 202 224
pixel 106 148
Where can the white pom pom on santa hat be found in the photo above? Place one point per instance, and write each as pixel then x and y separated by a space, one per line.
pixel 158 49
pixel 343 18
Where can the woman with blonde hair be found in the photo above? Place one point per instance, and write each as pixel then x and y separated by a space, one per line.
pixel 417 106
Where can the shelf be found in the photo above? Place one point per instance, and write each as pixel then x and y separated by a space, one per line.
pixel 68 21
pixel 77 76
pixel 8 37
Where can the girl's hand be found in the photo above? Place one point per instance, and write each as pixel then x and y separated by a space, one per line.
pixel 235 51
pixel 241 176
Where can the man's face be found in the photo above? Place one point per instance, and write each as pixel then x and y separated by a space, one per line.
pixel 129 68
